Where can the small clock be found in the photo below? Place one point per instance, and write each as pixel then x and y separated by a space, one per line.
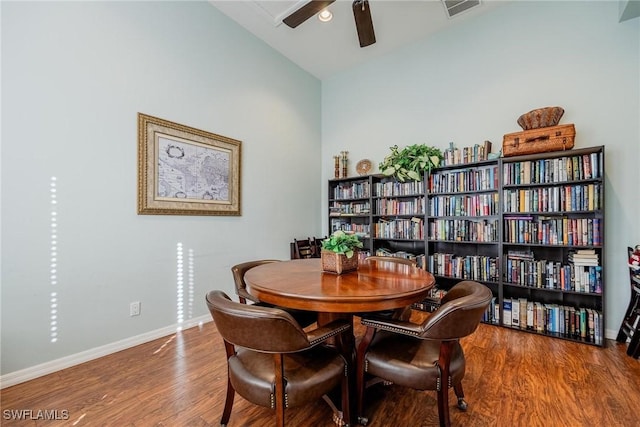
pixel 363 166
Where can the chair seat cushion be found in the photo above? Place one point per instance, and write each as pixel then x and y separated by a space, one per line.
pixel 410 362
pixel 308 375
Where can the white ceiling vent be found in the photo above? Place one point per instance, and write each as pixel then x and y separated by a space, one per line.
pixel 455 7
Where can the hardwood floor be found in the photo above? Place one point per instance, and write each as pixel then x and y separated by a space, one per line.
pixel 512 379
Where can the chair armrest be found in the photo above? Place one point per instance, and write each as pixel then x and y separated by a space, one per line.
pixel 247 295
pixel 397 326
pixel 322 333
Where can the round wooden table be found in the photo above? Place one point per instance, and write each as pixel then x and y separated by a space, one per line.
pixel 375 286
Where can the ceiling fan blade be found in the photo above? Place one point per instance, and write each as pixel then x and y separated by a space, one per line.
pixel 364 23
pixel 306 12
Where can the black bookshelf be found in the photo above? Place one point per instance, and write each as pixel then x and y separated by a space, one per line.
pixel 530 228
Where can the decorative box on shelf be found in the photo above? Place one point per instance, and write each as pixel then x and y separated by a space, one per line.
pixel 333 262
pixel 542 140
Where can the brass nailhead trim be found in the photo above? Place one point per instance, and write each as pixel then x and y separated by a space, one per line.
pixel 391 328
pixel 331 334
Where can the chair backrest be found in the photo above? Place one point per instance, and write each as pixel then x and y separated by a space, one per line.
pixel 239 271
pixel 391 259
pixel 302 248
pixel 316 246
pixel 630 251
pixel 263 329
pixel 460 312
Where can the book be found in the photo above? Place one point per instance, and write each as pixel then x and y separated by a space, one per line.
pixel 515 312
pixel 586 165
pixel 522 302
pixel 530 315
pixel 540 317
pixel 506 312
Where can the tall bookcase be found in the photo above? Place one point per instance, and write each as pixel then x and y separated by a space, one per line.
pixel 553 244
pixel 463 226
pixel 398 221
pixel 531 228
pixel 350 208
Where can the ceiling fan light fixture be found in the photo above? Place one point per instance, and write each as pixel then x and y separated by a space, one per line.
pixel 325 16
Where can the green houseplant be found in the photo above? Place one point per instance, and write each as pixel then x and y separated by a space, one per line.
pixel 412 162
pixel 338 252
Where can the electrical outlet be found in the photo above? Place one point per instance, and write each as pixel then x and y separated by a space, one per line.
pixel 134 308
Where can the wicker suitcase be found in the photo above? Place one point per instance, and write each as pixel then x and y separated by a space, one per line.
pixel 541 140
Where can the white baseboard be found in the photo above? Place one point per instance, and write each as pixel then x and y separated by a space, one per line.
pixel 27 374
pixel 46 368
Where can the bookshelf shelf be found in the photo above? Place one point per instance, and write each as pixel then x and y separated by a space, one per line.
pixel 476 221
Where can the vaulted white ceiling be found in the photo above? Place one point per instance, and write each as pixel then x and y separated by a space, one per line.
pixel 323 49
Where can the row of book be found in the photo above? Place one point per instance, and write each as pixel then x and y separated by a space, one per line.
pixel 432 301
pixel 568 198
pixel 395 188
pixel 472 179
pixel 399 228
pixel 553 275
pixel 362 230
pixel 419 259
pixel 352 190
pixel 351 208
pixel 584 257
pixel 546 171
pixel 546 230
pixel 476 153
pixel 492 313
pixel 415 206
pixel 562 320
pixel 483 204
pixel 464 230
pixel 471 267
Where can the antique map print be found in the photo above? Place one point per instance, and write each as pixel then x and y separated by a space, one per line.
pixel 191 171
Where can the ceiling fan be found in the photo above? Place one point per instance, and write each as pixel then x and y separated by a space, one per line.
pixel 361 14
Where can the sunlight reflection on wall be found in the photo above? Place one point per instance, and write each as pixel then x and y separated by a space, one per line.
pixel 181 310
pixel 179 287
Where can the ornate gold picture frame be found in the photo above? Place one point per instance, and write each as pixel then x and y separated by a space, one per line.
pixel 186 171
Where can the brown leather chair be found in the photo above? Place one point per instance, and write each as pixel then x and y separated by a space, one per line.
pixel 305 318
pixel 273 362
pixel 425 356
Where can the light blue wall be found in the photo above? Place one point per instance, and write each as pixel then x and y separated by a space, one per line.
pixel 472 82
pixel 74 77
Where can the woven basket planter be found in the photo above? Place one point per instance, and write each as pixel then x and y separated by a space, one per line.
pixel 338 263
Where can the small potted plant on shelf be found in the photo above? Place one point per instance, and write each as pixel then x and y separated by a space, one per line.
pixel 412 162
pixel 339 252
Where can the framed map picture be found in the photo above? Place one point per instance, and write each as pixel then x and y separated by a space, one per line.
pixel 186 171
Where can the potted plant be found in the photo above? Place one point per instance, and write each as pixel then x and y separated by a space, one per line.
pixel 412 162
pixel 339 252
